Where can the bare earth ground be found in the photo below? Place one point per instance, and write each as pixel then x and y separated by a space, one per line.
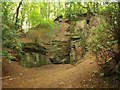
pixel 81 75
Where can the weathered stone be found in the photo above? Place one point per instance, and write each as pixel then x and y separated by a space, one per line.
pixel 34 55
pixel 59 51
pixel 34 47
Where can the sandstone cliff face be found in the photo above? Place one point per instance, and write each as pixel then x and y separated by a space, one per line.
pixel 67 42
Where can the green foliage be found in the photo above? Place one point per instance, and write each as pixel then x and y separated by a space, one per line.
pixel 7 55
pixel 9 35
pixel 47 23
pixel 10 39
pixel 102 40
pixel 34 17
pixel 33 13
pixel 102 37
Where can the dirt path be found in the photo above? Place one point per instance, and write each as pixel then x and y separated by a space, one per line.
pixel 82 75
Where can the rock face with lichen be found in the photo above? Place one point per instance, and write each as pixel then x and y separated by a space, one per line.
pixel 33 55
pixel 69 44
pixel 60 46
pixel 66 43
pixel 60 52
pixel 63 45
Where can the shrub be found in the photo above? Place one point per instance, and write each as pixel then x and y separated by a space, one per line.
pixel 10 40
pixel 102 37
pixel 101 44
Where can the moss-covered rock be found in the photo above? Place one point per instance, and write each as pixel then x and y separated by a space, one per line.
pixel 34 55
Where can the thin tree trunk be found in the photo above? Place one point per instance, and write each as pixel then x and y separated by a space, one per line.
pixel 17 12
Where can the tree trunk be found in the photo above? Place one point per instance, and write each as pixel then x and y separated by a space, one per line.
pixel 17 12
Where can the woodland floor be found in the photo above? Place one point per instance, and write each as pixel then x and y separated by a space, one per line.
pixel 84 74
pixel 81 75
